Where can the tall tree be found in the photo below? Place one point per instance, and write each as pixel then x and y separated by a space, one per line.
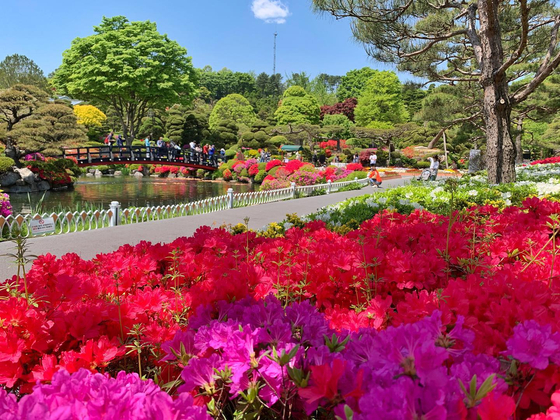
pixel 235 108
pixel 18 69
pixel 352 83
pixel 484 41
pixel 129 66
pixel 298 107
pixel 381 101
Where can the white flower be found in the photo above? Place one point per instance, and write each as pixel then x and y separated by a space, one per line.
pixel 473 193
pixel 408 195
pixel 288 225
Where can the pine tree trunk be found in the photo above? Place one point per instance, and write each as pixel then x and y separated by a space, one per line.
pixel 500 150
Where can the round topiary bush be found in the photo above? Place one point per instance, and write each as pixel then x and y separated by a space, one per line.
pixel 260 176
pixel 6 164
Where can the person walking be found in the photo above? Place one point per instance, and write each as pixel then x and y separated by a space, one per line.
pixel 373 159
pixel 434 166
pixel 172 149
pixel 374 177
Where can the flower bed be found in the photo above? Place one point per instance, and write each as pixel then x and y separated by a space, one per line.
pixel 275 174
pixel 408 314
pixel 448 313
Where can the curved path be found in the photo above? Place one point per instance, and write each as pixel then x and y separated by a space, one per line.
pixel 90 243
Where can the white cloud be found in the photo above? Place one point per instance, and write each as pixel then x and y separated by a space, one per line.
pixel 271 11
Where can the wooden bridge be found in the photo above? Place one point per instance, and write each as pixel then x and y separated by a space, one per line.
pixel 113 155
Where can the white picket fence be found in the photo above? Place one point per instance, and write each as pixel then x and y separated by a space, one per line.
pixel 78 221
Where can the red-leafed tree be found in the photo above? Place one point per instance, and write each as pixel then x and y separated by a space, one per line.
pixel 345 108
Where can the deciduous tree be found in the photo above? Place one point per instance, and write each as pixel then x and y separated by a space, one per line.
pixel 89 115
pixel 233 107
pixel 381 101
pixel 298 107
pixel 129 66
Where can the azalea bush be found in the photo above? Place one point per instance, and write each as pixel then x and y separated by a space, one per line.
pixel 553 159
pixel 5 205
pixel 306 322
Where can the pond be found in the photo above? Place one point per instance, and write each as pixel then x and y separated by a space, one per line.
pixel 91 193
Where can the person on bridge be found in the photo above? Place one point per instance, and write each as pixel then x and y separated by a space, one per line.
pixel 120 144
pixel 147 145
pixel 211 154
pixel 160 147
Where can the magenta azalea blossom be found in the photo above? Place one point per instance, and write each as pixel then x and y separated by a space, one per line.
pixel 533 344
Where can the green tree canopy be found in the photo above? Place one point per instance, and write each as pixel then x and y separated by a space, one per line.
pixel 18 103
pixel 353 83
pixel 337 126
pixel 175 125
pixel 297 108
pixel 50 128
pixel 233 107
pixel 488 42
pixel 18 69
pixel 381 101
pixel 129 66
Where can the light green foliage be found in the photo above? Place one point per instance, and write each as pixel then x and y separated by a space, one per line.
pixel 52 126
pixel 298 107
pixel 233 107
pixel 381 101
pixel 337 126
pixel 216 85
pixel 18 69
pixel 130 66
pixel 6 164
pixel 352 84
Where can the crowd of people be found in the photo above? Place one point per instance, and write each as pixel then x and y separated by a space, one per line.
pixel 207 154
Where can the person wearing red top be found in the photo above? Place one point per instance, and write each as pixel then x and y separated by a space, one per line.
pixel 374 177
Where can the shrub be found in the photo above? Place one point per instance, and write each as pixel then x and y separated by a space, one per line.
pixel 422 164
pixel 244 173
pixel 253 170
pixel 200 173
pixel 262 166
pixel 6 164
pixel 230 153
pixel 227 175
pixel 273 163
pixel 259 177
pixel 355 167
pixel 273 171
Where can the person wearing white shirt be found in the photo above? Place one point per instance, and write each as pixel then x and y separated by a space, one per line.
pixel 434 166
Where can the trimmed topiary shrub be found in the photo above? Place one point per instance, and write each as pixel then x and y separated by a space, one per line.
pixel 260 176
pixel 6 164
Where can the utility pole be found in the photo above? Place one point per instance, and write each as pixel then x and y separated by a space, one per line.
pixel 274 62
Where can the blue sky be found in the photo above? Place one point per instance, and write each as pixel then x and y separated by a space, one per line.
pixel 237 34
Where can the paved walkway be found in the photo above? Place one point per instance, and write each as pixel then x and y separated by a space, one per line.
pixel 88 244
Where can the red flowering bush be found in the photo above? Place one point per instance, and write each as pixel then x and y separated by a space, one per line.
pixel 553 159
pixel 273 163
pixel 475 294
pixel 332 144
pixel 254 169
pixel 354 167
pixel 292 166
pixel 227 175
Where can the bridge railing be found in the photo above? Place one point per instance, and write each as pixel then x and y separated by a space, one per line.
pixel 68 222
pixel 129 154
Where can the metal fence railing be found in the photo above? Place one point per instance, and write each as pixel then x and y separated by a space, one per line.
pixel 68 222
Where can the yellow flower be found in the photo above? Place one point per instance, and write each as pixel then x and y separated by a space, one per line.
pixel 89 115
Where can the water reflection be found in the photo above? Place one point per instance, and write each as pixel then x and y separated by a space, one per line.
pixel 129 191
